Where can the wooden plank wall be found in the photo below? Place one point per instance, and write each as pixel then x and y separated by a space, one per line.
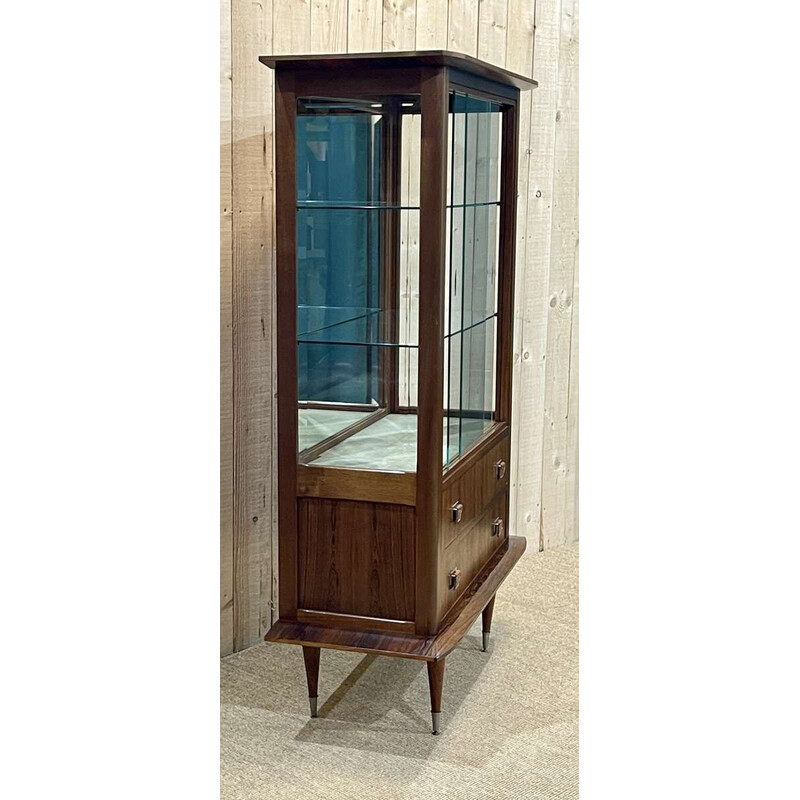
pixel 538 37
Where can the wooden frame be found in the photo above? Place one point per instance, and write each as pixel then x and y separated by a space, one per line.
pixel 373 562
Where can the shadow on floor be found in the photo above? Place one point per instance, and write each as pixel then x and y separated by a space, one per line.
pixel 367 702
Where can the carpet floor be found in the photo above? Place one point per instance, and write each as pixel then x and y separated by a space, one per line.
pixel 509 716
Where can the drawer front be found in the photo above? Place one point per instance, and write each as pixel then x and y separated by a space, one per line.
pixel 468 495
pixel 468 554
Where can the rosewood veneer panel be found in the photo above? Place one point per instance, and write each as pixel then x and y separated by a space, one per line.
pixel 356 558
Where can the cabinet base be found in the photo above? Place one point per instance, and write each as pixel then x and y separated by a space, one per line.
pixel 478 599
pixel 423 648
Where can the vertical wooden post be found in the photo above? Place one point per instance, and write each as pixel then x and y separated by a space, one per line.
pixel 507 251
pixel 433 200
pixel 286 222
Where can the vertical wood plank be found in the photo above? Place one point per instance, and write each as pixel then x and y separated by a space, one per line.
pixel 251 28
pixel 533 283
pixel 523 174
pixel 292 26
pixel 520 38
pixel 462 27
pixel 293 36
pixel 225 340
pixel 492 23
pixel 558 469
pixel 572 419
pixel 364 21
pixel 328 26
pixel 399 25
pixel 431 24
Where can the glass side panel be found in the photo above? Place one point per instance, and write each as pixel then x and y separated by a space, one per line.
pixel 472 264
pixel 408 283
pixel 357 222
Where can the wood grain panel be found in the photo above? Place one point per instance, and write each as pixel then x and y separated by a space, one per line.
pixel 432 24
pixel 399 24
pixel 357 484
pixel 523 176
pixel 252 207
pixel 364 18
pixel 492 23
pixel 356 558
pixel 462 27
pixel 559 453
pixel 292 25
pixel 225 340
pixel 328 26
pixel 520 37
pixel 534 300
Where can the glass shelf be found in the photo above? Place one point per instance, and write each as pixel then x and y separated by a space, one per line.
pixel 474 205
pixel 353 205
pixel 352 326
pixel 378 205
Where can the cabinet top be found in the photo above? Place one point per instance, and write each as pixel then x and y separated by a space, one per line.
pixel 410 58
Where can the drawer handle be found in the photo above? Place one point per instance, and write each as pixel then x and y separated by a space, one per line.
pixel 457 511
pixel 498 526
pixel 454 579
pixel 500 469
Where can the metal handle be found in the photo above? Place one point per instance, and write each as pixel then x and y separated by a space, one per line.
pixel 498 526
pixel 455 579
pixel 500 468
pixel 457 511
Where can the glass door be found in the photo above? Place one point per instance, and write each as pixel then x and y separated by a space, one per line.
pixel 357 225
pixel 471 271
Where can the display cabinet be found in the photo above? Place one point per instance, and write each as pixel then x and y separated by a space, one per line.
pixel 396 183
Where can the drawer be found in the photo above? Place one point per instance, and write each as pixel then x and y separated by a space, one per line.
pixel 468 554
pixel 472 490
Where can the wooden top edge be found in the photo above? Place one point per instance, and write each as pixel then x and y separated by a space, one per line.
pixel 422 648
pixel 435 58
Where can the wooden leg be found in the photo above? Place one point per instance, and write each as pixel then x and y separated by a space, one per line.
pixel 487 622
pixel 435 681
pixel 311 657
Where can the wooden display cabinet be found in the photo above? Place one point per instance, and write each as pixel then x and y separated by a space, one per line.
pixel 396 183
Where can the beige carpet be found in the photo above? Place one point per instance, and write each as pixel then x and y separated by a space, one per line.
pixel 509 721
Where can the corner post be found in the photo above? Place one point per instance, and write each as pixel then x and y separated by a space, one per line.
pixel 433 215
pixel 286 325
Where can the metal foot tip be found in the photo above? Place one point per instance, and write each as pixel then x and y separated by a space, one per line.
pixel 312 702
pixel 436 717
pixel 485 641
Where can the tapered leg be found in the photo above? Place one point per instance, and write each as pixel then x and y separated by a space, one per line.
pixel 311 657
pixel 487 622
pixel 435 681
